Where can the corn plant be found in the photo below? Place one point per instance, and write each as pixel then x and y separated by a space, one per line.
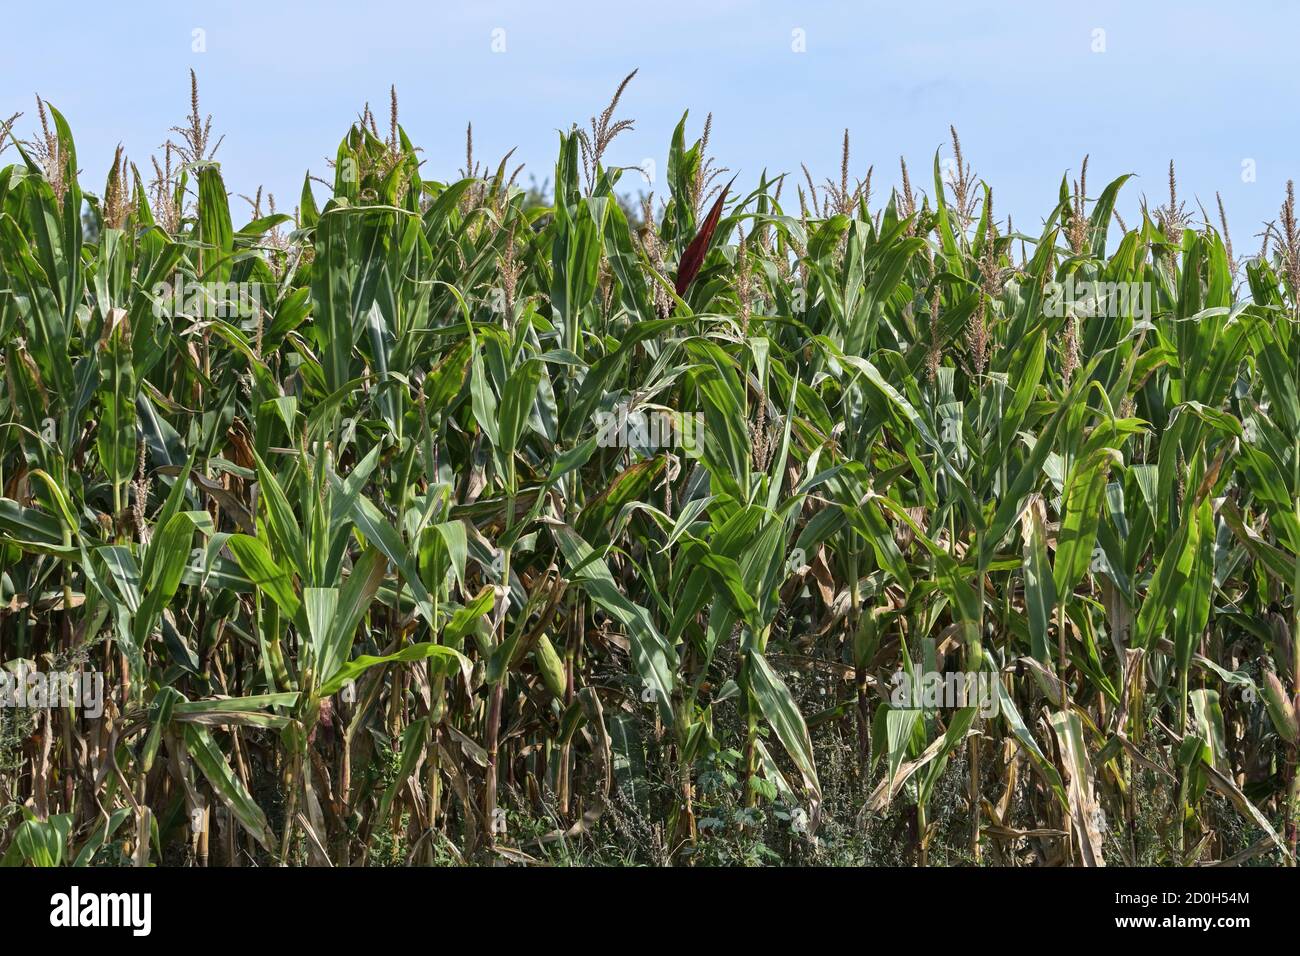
pixel 435 523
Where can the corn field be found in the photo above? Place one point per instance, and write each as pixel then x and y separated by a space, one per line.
pixel 444 522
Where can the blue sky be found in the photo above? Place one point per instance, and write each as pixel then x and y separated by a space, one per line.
pixel 1211 84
